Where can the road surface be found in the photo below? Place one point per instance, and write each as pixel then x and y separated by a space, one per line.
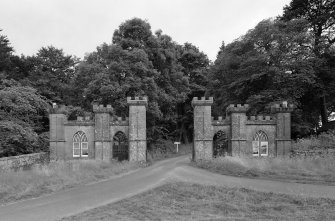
pixel 76 200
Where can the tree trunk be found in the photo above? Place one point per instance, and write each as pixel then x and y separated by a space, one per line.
pixel 323 111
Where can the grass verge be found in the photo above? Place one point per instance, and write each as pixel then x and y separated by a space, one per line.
pixel 44 179
pixel 301 170
pixel 185 201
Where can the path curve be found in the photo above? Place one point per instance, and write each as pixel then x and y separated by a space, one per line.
pixel 76 200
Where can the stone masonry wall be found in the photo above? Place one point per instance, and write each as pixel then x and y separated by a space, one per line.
pixel 203 128
pixel 23 161
pixel 137 128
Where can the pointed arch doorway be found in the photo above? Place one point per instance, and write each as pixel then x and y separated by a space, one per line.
pixel 220 144
pixel 120 146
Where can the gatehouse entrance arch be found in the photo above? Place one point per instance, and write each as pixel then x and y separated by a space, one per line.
pixel 120 147
pixel 220 144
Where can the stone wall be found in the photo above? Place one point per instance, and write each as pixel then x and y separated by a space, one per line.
pixel 23 161
pixel 323 153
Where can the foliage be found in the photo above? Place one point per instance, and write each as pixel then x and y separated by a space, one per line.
pixel 270 63
pixel 319 15
pixel 140 63
pixel 22 112
pixel 50 73
pixel 5 53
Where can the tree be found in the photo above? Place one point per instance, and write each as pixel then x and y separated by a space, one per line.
pixel 22 111
pixel 139 63
pixel 51 72
pixel 320 15
pixel 195 66
pixel 272 62
pixel 5 53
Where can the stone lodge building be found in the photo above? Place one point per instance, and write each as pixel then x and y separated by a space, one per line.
pixel 105 137
pixel 239 134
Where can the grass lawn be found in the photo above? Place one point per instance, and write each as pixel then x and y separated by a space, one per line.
pixel 44 179
pixel 185 201
pixel 300 170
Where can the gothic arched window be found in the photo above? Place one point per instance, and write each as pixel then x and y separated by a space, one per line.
pixel 80 145
pixel 260 144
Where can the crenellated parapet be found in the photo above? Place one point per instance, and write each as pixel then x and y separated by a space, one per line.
pixel 137 101
pixel 119 121
pixel 261 119
pixel 237 108
pixel 283 107
pixel 203 101
pixel 102 109
pixel 80 121
pixel 220 121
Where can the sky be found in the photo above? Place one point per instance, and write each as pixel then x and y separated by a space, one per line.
pixel 79 26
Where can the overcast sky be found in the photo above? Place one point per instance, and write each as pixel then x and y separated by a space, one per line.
pixel 79 26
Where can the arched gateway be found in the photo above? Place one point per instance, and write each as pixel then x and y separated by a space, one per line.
pixel 220 144
pixel 120 147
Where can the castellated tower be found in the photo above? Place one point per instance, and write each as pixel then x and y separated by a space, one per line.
pixel 137 128
pixel 238 128
pixel 102 132
pixel 57 134
pixel 283 131
pixel 203 130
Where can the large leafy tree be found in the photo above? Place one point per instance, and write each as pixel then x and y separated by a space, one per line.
pixel 272 62
pixel 137 63
pixel 320 15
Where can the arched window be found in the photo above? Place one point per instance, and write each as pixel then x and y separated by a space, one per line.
pixel 260 144
pixel 80 145
pixel 220 144
pixel 120 146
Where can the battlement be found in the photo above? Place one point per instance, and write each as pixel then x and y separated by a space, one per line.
pixel 284 107
pixel 260 118
pixel 137 100
pixel 85 118
pixel 119 121
pixel 237 108
pixel 203 101
pixel 102 109
pixel 220 120
pixel 80 121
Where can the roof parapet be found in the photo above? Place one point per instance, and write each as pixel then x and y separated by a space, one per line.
pixel 139 101
pixel 203 101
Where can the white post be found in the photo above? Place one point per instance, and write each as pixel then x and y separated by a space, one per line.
pixel 177 143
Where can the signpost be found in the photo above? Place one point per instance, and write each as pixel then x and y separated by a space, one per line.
pixel 177 143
